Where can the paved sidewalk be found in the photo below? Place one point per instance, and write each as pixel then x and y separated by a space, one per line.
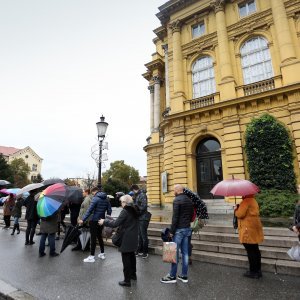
pixel 67 277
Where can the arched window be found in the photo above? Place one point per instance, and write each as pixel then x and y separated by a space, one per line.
pixel 203 77
pixel 256 60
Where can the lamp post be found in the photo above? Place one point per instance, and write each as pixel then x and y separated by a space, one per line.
pixel 101 127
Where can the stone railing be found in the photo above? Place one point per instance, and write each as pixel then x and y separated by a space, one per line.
pixel 201 102
pixel 258 87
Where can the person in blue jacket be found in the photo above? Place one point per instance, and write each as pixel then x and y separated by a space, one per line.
pixel 100 206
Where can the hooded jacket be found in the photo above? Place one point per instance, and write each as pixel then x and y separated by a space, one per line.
pixel 99 206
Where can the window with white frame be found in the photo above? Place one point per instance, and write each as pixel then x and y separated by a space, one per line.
pixel 247 8
pixel 198 30
pixel 256 60
pixel 34 167
pixel 203 77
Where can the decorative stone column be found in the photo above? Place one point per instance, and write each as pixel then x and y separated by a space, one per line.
pixel 224 59
pixel 165 48
pixel 156 110
pixel 177 57
pixel 286 47
pixel 151 89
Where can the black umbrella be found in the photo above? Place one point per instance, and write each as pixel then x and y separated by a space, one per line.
pixel 74 195
pixel 72 233
pixel 199 204
pixel 51 181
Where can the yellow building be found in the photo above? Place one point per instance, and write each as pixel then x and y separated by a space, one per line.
pixel 217 65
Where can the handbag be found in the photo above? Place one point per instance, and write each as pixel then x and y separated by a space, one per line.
pixel 294 253
pixel 118 237
pixel 169 252
pixel 235 222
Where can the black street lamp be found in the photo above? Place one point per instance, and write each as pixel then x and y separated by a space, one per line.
pixel 101 127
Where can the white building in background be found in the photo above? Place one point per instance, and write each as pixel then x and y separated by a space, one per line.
pixel 30 157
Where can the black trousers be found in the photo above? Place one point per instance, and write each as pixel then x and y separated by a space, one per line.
pixel 30 230
pixel 254 257
pixel 143 237
pixel 129 265
pixel 7 221
pixel 96 232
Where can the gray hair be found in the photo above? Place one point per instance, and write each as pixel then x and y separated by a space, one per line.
pixel 126 198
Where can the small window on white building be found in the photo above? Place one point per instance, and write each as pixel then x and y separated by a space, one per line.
pixel 256 60
pixel 198 30
pixel 34 167
pixel 247 8
pixel 203 77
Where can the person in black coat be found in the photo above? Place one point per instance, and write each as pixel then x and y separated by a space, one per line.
pixel 31 216
pixel 128 222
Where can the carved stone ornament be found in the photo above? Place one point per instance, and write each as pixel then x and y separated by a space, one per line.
pixel 165 48
pixel 157 79
pixel 151 89
pixel 175 26
pixel 218 5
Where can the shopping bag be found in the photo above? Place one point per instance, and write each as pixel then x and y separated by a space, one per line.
pixel 170 252
pixel 294 253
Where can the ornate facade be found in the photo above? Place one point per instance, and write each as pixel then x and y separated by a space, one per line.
pixel 217 65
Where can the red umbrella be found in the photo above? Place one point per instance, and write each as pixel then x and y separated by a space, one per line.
pixel 235 187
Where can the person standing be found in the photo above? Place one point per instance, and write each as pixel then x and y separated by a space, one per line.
pixel 17 213
pixel 7 210
pixel 127 222
pixel 180 232
pixel 31 216
pixel 250 233
pixel 296 220
pixel 48 229
pixel 99 206
pixel 140 199
pixel 83 209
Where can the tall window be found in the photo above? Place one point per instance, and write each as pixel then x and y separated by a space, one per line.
pixel 34 167
pixel 256 60
pixel 247 8
pixel 203 77
pixel 198 30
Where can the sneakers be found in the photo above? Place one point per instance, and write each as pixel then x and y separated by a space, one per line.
pixel 168 279
pixel 183 278
pixel 145 255
pixel 138 254
pixel 42 254
pixel 101 255
pixel 54 254
pixel 90 259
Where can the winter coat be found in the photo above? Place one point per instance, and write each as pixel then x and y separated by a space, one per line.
pixel 49 225
pixel 183 211
pixel 17 211
pixel 127 222
pixel 8 206
pixel 142 202
pixel 31 210
pixel 249 224
pixel 99 206
pixel 297 216
pixel 84 207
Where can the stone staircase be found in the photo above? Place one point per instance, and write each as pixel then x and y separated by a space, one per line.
pixel 218 206
pixel 219 244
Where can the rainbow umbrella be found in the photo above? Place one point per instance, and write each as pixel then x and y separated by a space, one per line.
pixel 51 199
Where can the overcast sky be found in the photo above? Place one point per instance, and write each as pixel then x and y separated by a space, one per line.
pixel 64 63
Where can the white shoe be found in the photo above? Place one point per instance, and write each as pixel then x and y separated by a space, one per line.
pixel 90 259
pixel 101 255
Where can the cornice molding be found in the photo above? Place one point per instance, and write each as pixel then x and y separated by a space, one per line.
pixel 156 64
pixel 161 32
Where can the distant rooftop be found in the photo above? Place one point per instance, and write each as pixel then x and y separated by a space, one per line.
pixel 6 151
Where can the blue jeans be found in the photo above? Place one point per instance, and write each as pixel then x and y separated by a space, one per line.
pixel 181 238
pixel 16 220
pixel 51 239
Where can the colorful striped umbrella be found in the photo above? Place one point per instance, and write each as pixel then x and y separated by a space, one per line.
pixel 51 199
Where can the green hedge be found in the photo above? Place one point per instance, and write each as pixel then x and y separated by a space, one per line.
pixel 269 154
pixel 275 203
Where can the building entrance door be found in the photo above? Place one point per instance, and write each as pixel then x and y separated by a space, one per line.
pixel 209 166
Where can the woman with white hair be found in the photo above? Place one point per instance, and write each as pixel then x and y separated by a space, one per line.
pixel 127 222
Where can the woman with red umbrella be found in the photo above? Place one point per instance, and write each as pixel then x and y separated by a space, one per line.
pixel 250 233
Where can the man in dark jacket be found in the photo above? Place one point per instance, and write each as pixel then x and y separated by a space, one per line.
pixel 180 231
pixel 140 199
pixel 99 206
pixel 31 216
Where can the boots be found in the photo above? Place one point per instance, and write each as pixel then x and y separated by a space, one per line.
pixel 18 228
pixel 14 229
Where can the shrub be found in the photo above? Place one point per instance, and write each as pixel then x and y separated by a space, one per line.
pixel 269 154
pixel 276 203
